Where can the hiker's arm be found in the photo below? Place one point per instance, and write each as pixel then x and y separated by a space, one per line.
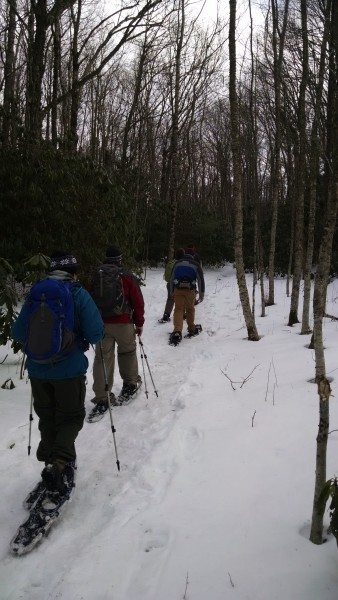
pixel 19 326
pixel 137 302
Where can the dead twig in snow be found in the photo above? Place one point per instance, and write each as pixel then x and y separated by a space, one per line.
pixel 240 383
pixel 333 430
pixel 185 597
pixel 232 383
pixel 274 370
pixel 232 583
pixel 248 376
pixel 253 418
pixel 272 364
pixel 2 361
pixel 267 383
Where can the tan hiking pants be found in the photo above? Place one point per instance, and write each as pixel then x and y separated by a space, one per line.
pixel 184 299
pixel 122 335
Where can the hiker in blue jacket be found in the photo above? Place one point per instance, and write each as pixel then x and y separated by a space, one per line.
pixel 58 381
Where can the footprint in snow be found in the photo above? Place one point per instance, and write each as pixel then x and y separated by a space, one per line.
pixel 156 539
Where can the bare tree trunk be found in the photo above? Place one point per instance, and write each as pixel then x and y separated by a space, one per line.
pixel 321 281
pixel 313 174
pixel 9 78
pixel 237 181
pixel 173 152
pixel 301 167
pixel 137 89
pixel 36 67
pixel 75 94
pixel 56 72
pixel 290 179
pixel 278 51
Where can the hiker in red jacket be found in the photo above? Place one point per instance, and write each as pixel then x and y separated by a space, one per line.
pixel 118 296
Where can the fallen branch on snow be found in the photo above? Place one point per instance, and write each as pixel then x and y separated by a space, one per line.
pixel 332 317
pixel 244 379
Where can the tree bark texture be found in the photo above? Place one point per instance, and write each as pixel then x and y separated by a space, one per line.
pixel 313 174
pixel 301 167
pixel 321 280
pixel 173 151
pixel 278 50
pixel 237 181
pixel 9 79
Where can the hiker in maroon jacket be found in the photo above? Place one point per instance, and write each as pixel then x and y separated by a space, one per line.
pixel 121 329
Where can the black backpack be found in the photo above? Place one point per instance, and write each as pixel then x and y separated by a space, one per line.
pixel 107 291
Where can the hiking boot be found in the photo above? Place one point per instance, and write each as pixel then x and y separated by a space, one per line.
pixel 59 480
pixel 195 331
pixel 165 318
pixel 127 392
pixel 52 477
pixel 175 338
pixel 100 408
pixel 102 402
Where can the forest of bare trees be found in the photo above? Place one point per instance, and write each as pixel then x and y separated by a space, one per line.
pixel 144 122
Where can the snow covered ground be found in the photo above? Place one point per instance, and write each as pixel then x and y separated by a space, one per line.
pixel 214 497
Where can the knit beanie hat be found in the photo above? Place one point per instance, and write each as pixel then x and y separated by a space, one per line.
pixel 63 261
pixel 114 253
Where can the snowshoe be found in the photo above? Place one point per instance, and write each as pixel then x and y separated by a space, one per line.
pixel 197 330
pixel 34 495
pixel 100 409
pixel 46 510
pixel 165 319
pixel 175 338
pixel 128 392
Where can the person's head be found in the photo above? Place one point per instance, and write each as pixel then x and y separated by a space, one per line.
pixel 64 261
pixel 179 253
pixel 114 255
pixel 191 249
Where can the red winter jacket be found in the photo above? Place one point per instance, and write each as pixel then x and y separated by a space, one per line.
pixel 133 296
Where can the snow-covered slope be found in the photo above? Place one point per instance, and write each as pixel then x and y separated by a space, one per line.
pixel 214 496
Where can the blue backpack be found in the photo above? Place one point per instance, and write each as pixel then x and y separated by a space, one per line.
pixel 50 335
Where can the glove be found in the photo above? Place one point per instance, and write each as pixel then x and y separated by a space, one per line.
pixel 201 298
pixel 138 331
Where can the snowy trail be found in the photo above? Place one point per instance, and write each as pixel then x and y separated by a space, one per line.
pixel 201 493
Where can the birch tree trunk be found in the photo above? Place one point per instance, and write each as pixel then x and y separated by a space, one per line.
pixel 237 181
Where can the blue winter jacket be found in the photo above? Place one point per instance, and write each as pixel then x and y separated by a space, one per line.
pixel 89 327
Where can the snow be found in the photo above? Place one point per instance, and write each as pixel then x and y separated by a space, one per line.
pixel 214 497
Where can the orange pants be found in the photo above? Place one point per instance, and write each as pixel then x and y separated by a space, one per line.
pixel 184 299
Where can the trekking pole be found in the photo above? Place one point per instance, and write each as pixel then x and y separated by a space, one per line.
pixel 30 425
pixel 144 373
pixel 146 359
pixel 106 387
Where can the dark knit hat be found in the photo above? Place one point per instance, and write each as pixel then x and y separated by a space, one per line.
pixel 114 253
pixel 63 261
pixel 179 253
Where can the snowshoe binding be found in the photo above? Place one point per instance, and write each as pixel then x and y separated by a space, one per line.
pixel 165 319
pixel 197 330
pixel 100 409
pixel 128 392
pixel 175 338
pixel 34 495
